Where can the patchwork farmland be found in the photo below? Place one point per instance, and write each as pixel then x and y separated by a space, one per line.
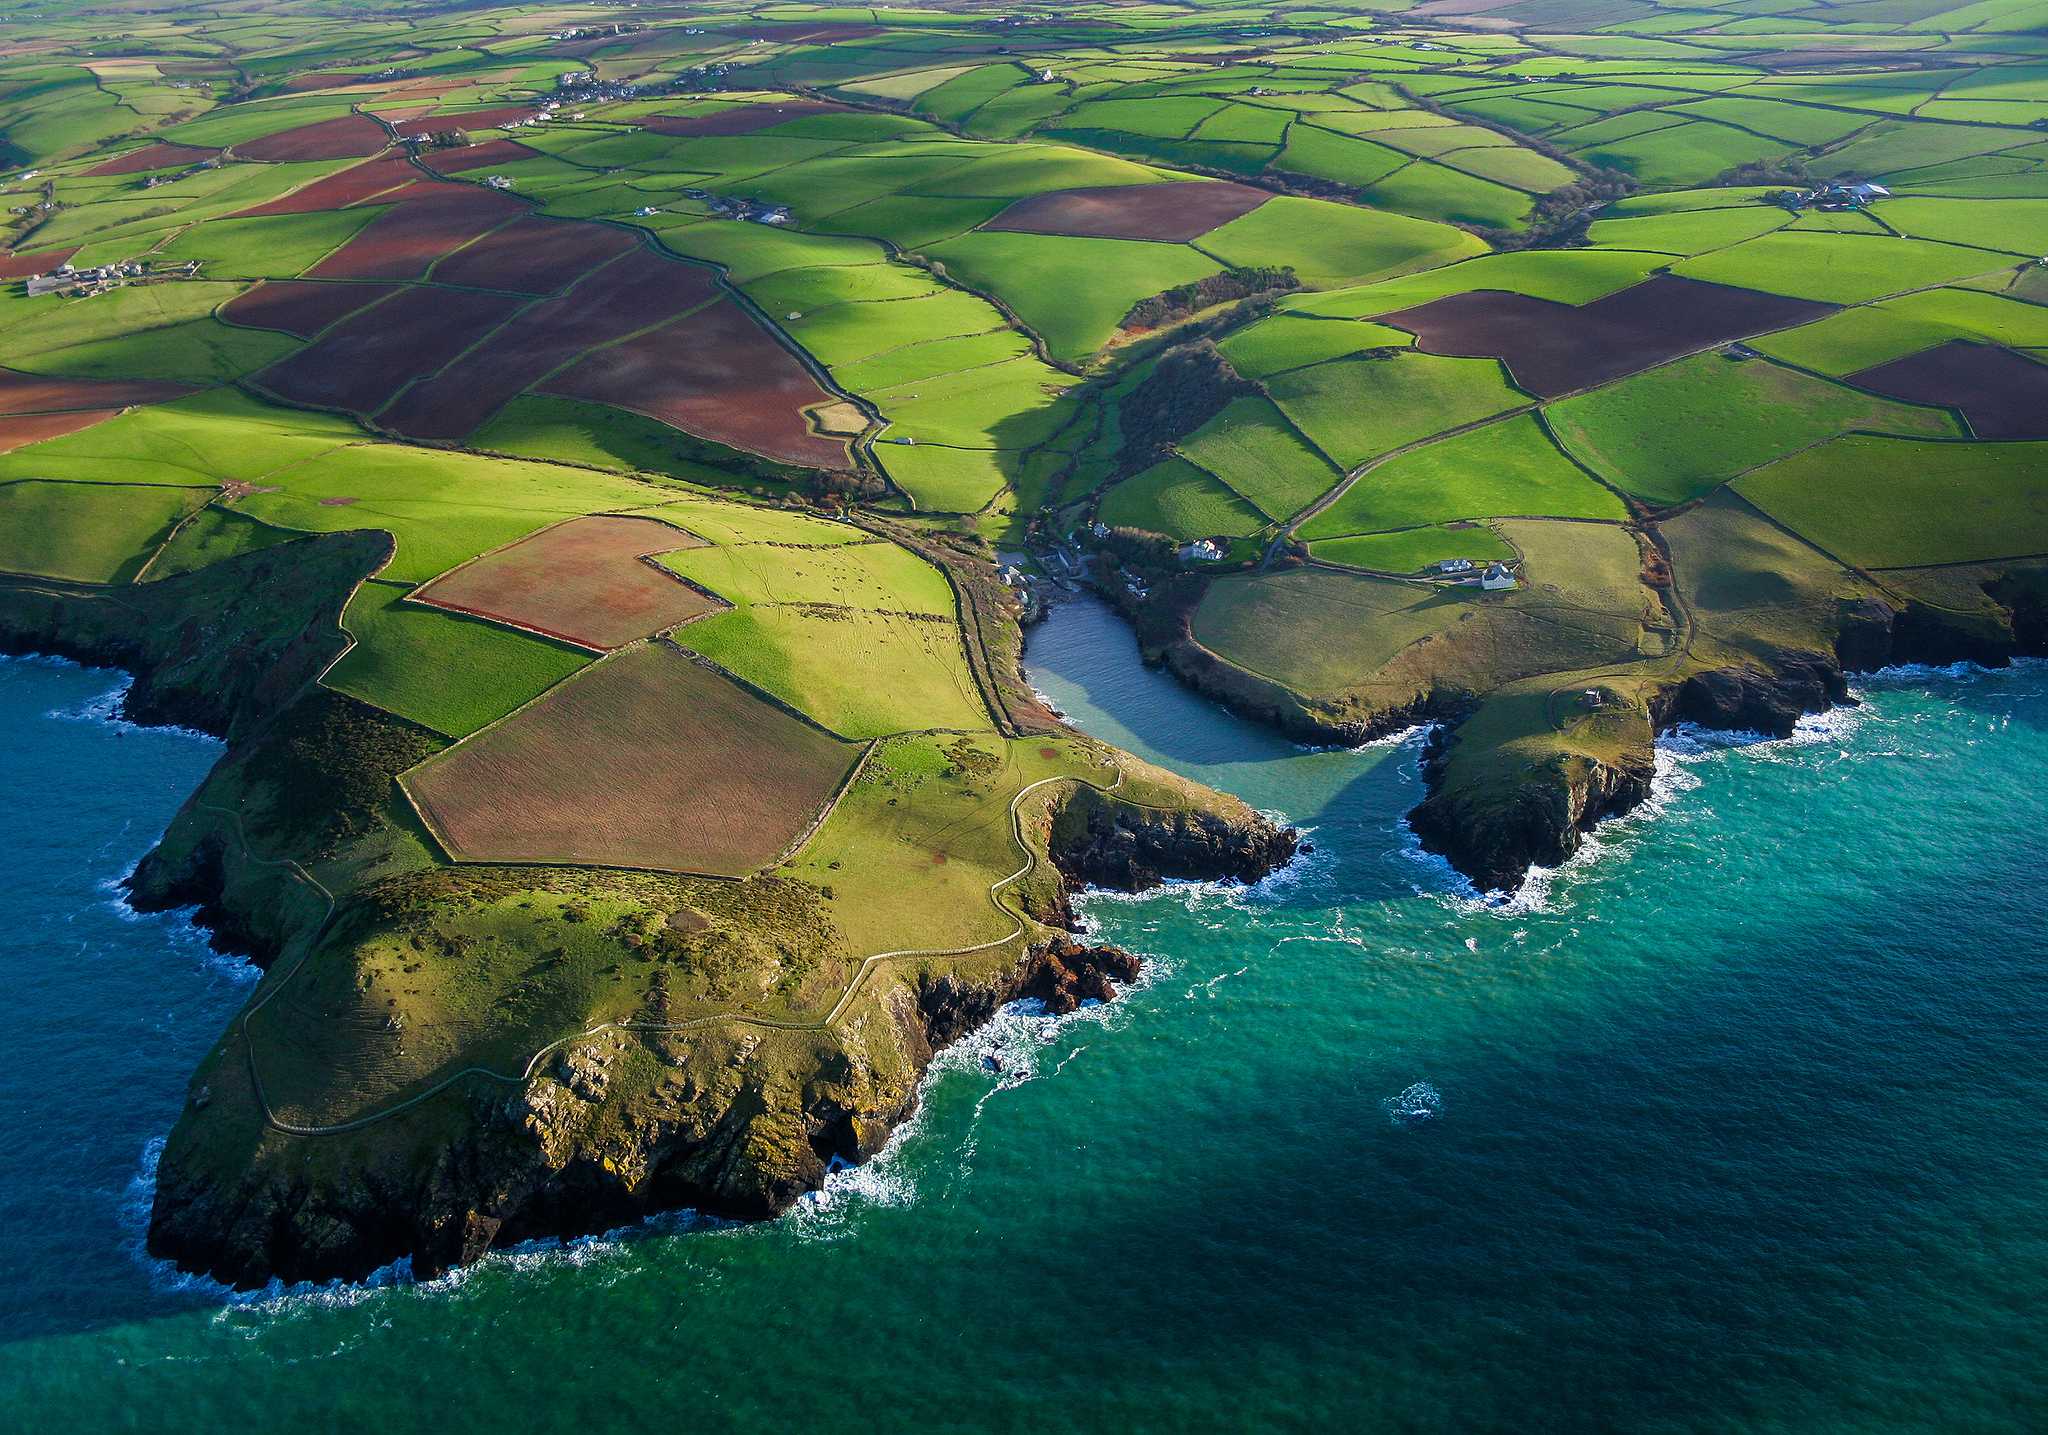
pixel 645 432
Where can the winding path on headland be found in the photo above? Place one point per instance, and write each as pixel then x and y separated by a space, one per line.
pixel 532 1063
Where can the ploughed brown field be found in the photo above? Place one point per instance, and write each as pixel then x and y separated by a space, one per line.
pixel 369 356
pixel 23 429
pixel 463 120
pixel 584 581
pixel 1553 349
pixel 161 155
pixel 476 156
pixel 428 220
pixel 709 369
pixel 715 374
pixel 337 191
pixel 2004 395
pixel 618 299
pixel 343 137
pixel 37 394
pixel 299 306
pixel 645 760
pixel 318 82
pixel 21 266
pixel 741 120
pixel 533 255
pixel 1177 210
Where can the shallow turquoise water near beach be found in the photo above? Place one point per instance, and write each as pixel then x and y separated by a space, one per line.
pixel 1742 1129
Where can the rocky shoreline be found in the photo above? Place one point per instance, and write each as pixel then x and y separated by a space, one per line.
pixel 582 1147
pixel 1494 837
pixel 737 1118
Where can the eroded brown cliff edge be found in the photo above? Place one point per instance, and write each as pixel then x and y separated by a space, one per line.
pixel 738 1119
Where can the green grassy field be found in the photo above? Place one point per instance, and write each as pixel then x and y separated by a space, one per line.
pixel 1181 501
pixel 1510 467
pixel 1012 404
pixel 1332 247
pixel 1689 231
pixel 446 671
pixel 1566 276
pixel 1413 549
pixel 1074 292
pixel 56 323
pixel 1257 452
pixel 868 574
pixel 273 246
pixel 92 533
pixel 1839 269
pixel 576 431
pixel 444 508
pixel 208 537
pixel 1294 341
pixel 1877 333
pixel 1892 503
pixel 932 358
pixel 860 674
pixel 1315 631
pixel 948 480
pixel 1356 409
pixel 1674 433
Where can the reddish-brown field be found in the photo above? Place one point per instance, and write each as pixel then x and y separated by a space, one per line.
pixel 369 356
pixel 463 120
pixel 35 394
pixel 1177 211
pixel 715 374
pixel 24 429
pixel 476 156
pixel 296 306
pixel 1552 349
pixel 318 82
pixel 427 221
pixel 337 191
pixel 20 266
pixel 622 298
pixel 2004 395
pixel 161 155
pixel 742 120
pixel 584 581
pixel 533 255
pixel 643 760
pixel 343 137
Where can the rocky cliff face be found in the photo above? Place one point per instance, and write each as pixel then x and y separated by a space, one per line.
pixel 1545 820
pixel 1535 807
pixel 1131 850
pixel 737 1120
pixel 739 1117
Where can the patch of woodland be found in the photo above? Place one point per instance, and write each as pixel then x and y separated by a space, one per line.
pixel 1184 300
pixel 329 762
pixel 1791 171
pixel 1560 219
pixel 1189 384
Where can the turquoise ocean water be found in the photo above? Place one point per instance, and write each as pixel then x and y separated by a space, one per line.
pixel 1739 1128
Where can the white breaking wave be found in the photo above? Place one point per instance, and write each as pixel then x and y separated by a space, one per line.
pixel 105 710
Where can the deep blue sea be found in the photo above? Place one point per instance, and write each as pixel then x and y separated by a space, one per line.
pixel 1736 1124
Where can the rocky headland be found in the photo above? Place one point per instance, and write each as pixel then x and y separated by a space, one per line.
pixel 301 1157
